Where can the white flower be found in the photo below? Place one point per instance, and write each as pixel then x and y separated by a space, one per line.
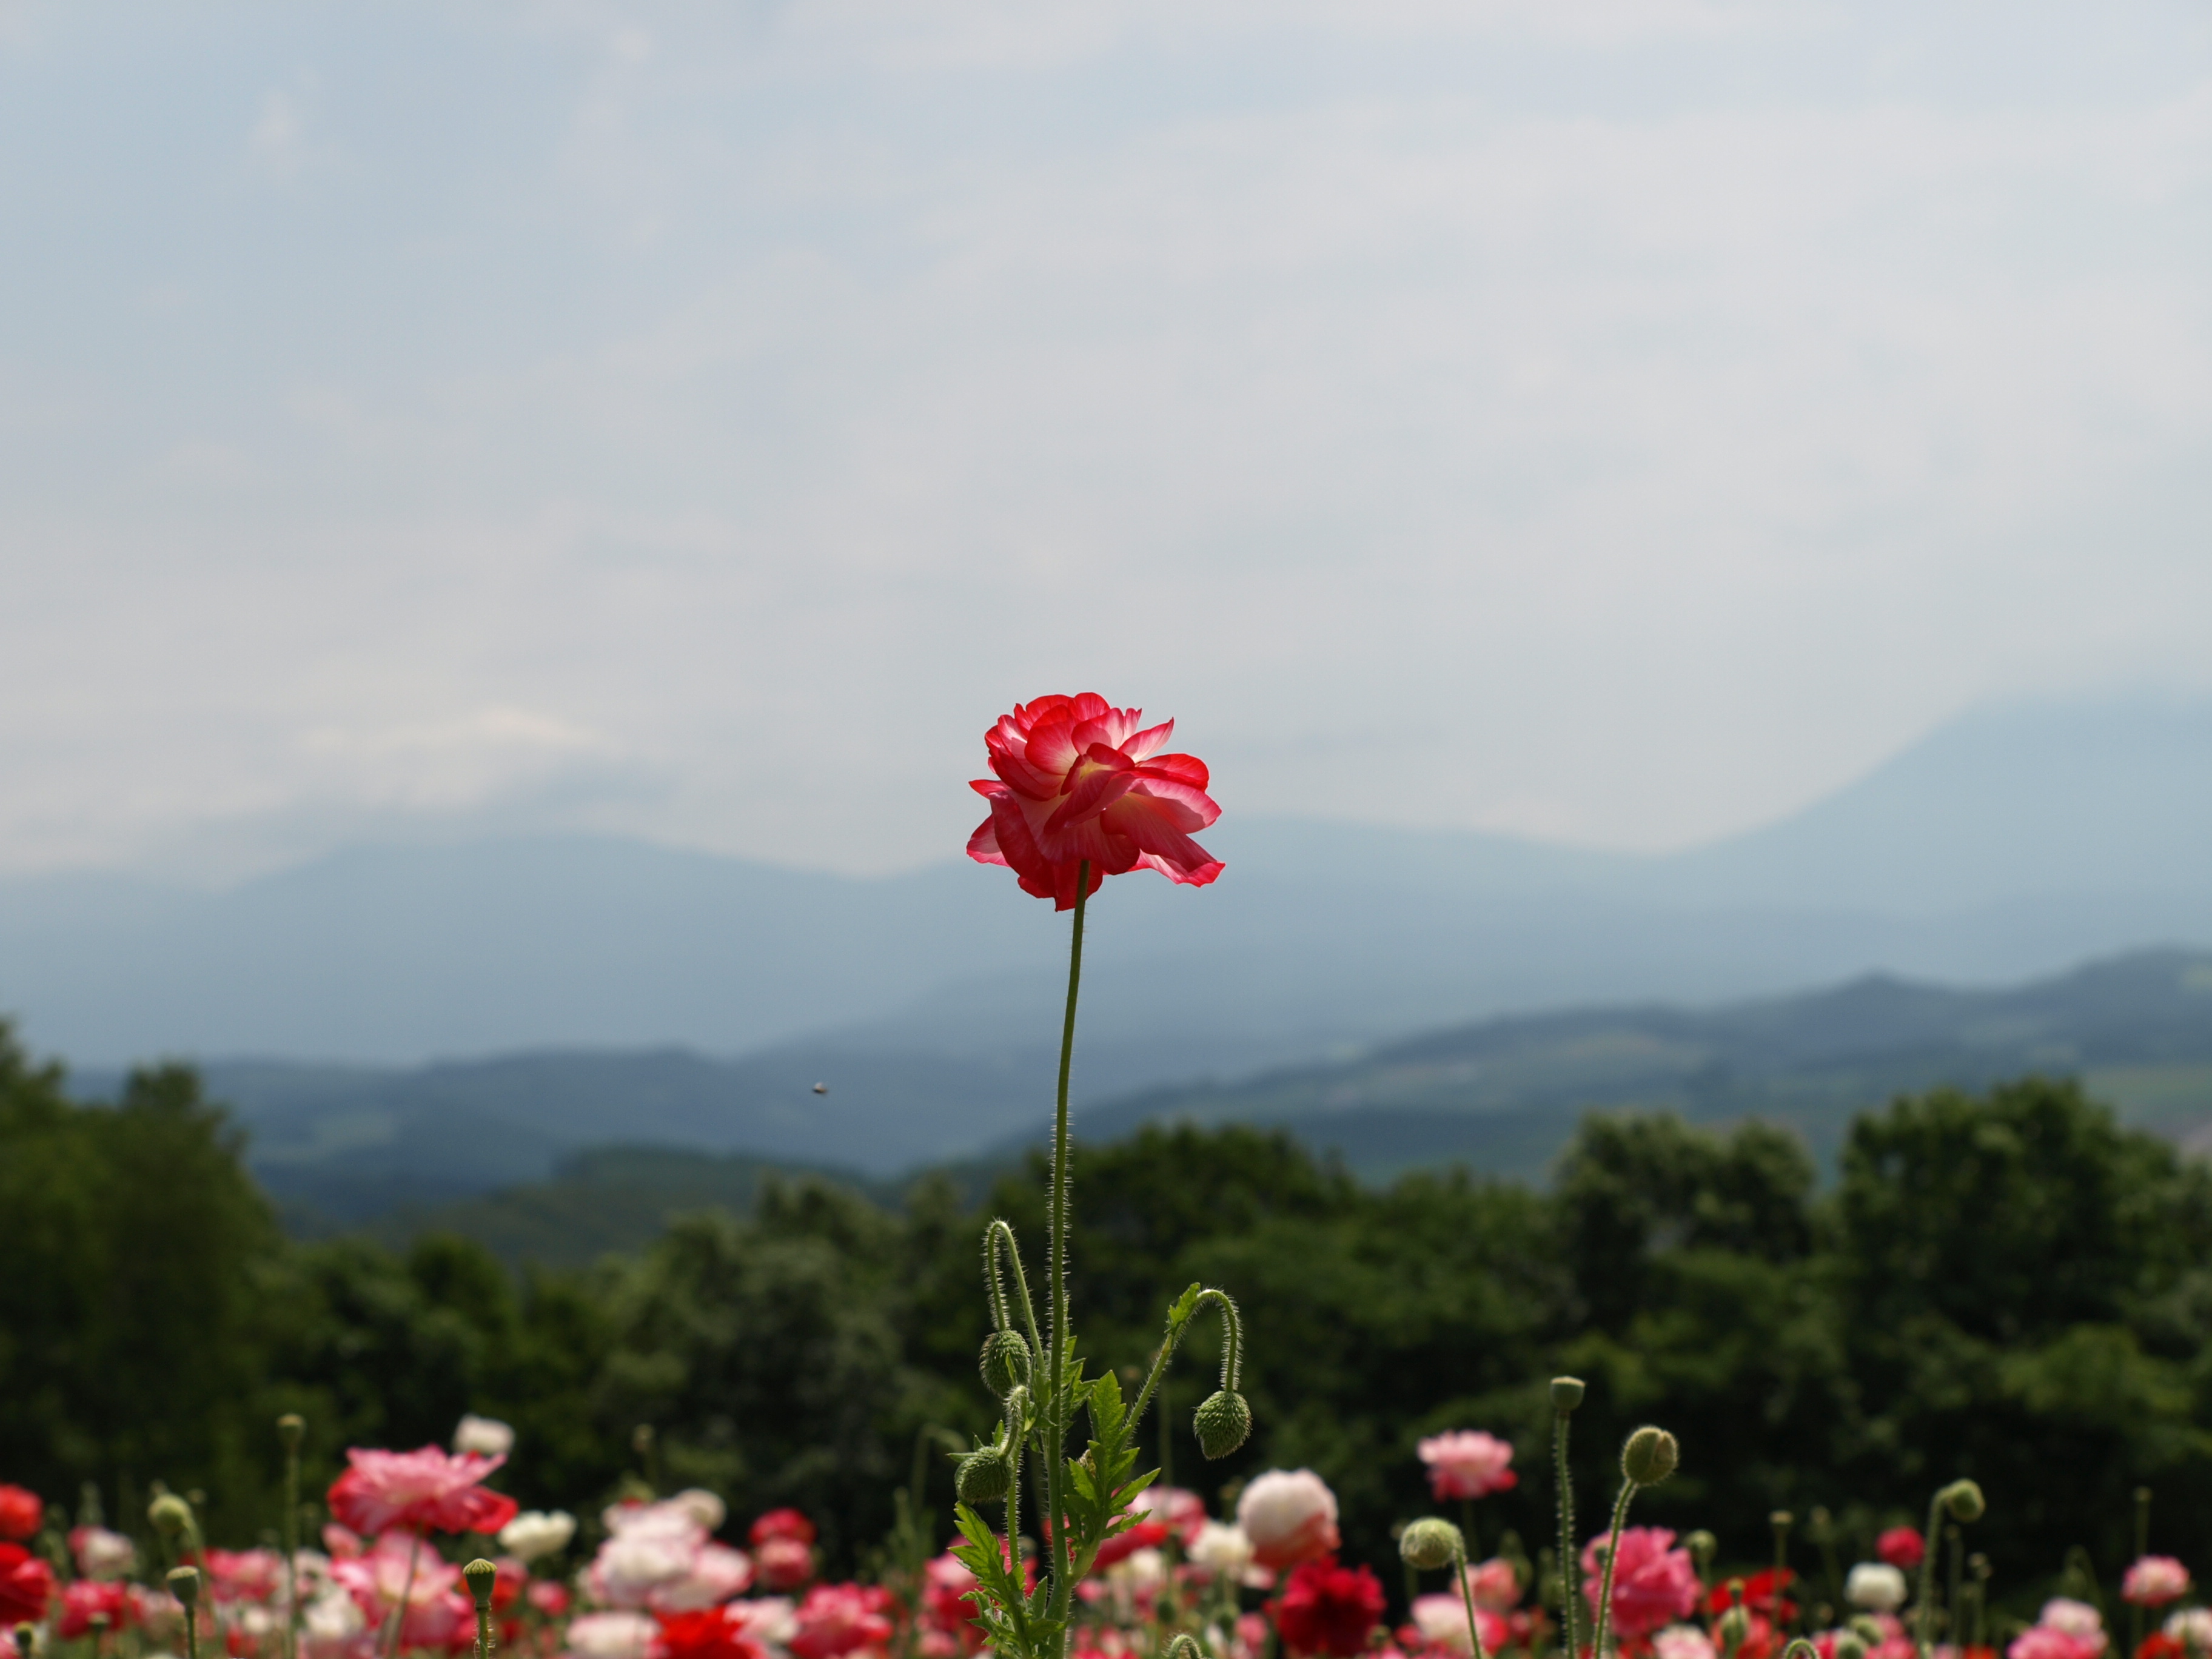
pixel 717 1573
pixel 2075 1618
pixel 1140 1572
pixel 1290 1516
pixel 702 1506
pixel 1876 1586
pixel 1681 1642
pixel 611 1636
pixel 486 1435
pixel 2192 1628
pixel 534 1533
pixel 329 1624
pixel 1442 1620
pixel 769 1618
pixel 1222 1551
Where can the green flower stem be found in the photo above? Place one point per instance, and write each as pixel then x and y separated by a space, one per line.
pixel 1924 1626
pixel 998 1238
pixel 292 1550
pixel 1955 1601
pixel 1467 1599
pixel 483 1633
pixel 1056 1425
pixel 1232 1349
pixel 1612 1553
pixel 1570 1591
pixel 406 1594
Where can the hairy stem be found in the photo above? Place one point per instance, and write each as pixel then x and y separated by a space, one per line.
pixel 1924 1626
pixel 1569 1592
pixel 1612 1553
pixel 1056 1399
pixel 1467 1597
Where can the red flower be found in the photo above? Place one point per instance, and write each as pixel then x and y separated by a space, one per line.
pixel 1758 1594
pixel 1328 1609
pixel 841 1619
pixel 86 1599
pixel 427 1491
pixel 708 1633
pixel 1903 1547
pixel 782 1524
pixel 20 1511
pixel 2158 1645
pixel 27 1585
pixel 1078 780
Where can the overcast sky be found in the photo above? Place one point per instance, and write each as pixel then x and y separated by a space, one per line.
pixel 701 421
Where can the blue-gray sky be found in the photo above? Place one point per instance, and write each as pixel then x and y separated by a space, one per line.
pixel 1615 422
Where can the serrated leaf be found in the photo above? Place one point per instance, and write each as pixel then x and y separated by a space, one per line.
pixel 1185 1304
pixel 1129 1489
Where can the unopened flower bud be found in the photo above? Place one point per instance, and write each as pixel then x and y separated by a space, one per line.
pixel 1566 1393
pixel 1430 1544
pixel 1648 1457
pixel 290 1428
pixel 1005 1363
pixel 1781 1520
pixel 184 1584
pixel 1849 1644
pixel 1964 1500
pixel 1868 1629
pixel 1223 1422
pixel 1732 1627
pixel 482 1576
pixel 25 1635
pixel 170 1513
pixel 984 1476
pixel 1701 1545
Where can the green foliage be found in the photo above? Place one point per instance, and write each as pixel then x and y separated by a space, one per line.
pixel 2009 1287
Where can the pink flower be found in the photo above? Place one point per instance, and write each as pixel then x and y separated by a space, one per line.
pixel 100 1553
pixel 1467 1463
pixel 2075 1617
pixel 1076 780
pixel 1902 1547
pixel 244 1575
pixel 1495 1585
pixel 84 1599
pixel 1654 1583
pixel 437 1607
pixel 427 1491
pixel 2043 1642
pixel 840 1619
pixel 1688 1642
pixel 2153 1581
pixel 1180 1510
pixel 780 1523
pixel 1441 1620
pixel 1290 1516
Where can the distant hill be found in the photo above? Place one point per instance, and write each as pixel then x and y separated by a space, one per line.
pixel 1504 1095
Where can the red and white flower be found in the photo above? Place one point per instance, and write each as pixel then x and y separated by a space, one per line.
pixel 428 1490
pixel 1467 1463
pixel 1290 1516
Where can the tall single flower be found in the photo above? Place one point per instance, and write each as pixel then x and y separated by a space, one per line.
pixel 1290 1516
pixel 425 1491
pixel 1077 779
pixel 1654 1583
pixel 1467 1463
pixel 1328 1609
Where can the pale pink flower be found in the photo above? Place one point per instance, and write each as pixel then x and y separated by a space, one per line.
pixel 2153 1581
pixel 612 1636
pixel 1290 1516
pixel 1495 1585
pixel 1688 1642
pixel 2075 1618
pixel 2192 1628
pixel 437 1606
pixel 1467 1463
pixel 2049 1642
pixel 1442 1620
pixel 426 1490
pixel 1653 1585
pixel 100 1553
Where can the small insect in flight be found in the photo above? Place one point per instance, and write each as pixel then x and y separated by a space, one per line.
pixel 821 1088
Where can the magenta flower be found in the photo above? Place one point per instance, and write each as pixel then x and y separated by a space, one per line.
pixel 2154 1580
pixel 1654 1583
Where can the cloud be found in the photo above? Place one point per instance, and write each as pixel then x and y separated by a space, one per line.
pixel 1624 431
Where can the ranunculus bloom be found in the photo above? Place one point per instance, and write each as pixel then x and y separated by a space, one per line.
pixel 1467 1463
pixel 1440 1620
pixel 425 1491
pixel 27 1585
pixel 1653 1583
pixel 1688 1642
pixel 2153 1581
pixel 1290 1516
pixel 1902 1546
pixel 1076 780
pixel 100 1553
pixel 1494 1584
pixel 841 1619
pixel 1875 1585
pixel 708 1633
pixel 1325 1609
pixel 20 1511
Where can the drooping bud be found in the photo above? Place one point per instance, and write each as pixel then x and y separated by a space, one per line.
pixel 1566 1393
pixel 1648 1457
pixel 1431 1543
pixel 290 1428
pixel 1223 1422
pixel 184 1585
pixel 984 1476
pixel 482 1576
pixel 170 1513
pixel 1005 1362
pixel 1964 1500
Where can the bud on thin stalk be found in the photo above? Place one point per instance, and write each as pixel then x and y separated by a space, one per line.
pixel 1567 1395
pixel 1647 1458
pixel 291 1429
pixel 1432 1543
pixel 184 1585
pixel 482 1576
pixel 1963 1501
